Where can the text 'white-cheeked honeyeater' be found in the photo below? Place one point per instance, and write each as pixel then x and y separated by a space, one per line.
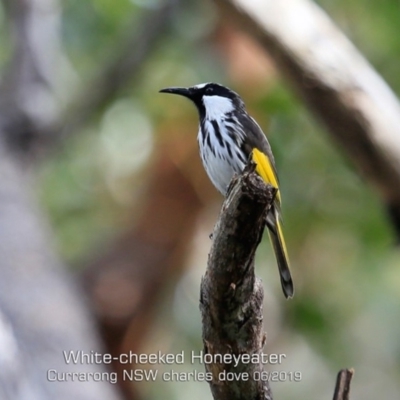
pixel 228 137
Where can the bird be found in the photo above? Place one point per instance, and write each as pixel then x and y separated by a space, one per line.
pixel 228 137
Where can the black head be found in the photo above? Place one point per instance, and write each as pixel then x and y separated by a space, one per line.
pixel 211 99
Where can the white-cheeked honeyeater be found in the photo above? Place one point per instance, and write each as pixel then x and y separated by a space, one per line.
pixel 228 136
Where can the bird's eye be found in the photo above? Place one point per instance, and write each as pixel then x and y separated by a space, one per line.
pixel 209 90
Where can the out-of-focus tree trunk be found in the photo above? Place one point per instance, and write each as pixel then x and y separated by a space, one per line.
pixel 361 112
pixel 41 311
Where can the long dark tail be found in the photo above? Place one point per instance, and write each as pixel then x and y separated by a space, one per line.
pixel 278 244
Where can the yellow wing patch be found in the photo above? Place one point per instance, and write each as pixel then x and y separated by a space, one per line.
pixel 265 169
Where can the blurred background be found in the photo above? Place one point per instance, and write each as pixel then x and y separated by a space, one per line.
pixel 131 209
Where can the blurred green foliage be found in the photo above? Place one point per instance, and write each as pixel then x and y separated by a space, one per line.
pixel 346 270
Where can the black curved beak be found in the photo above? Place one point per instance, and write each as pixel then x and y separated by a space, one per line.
pixel 178 90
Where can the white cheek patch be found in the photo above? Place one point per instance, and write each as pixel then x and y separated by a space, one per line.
pixel 217 106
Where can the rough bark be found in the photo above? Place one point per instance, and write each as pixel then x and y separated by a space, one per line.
pixel 231 295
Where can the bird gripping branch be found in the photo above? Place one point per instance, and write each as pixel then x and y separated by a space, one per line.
pixel 228 137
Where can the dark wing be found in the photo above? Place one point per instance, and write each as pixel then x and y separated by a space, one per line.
pixel 255 138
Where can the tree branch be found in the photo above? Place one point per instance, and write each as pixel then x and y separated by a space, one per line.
pixel 342 388
pixel 231 296
pixel 336 82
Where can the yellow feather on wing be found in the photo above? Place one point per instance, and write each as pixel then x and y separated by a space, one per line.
pixel 266 170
